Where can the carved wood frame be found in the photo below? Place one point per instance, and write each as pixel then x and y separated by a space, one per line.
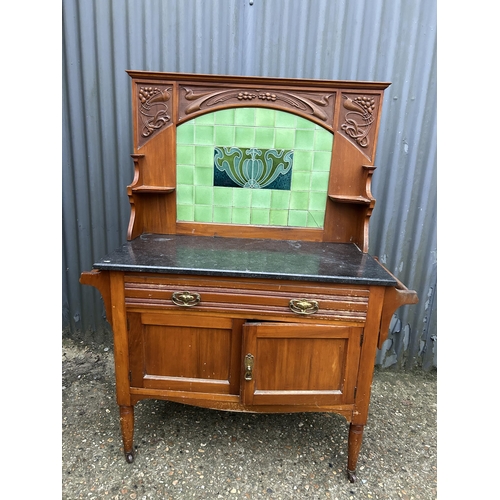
pixel 348 109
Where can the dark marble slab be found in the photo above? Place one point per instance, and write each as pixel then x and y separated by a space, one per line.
pixel 247 258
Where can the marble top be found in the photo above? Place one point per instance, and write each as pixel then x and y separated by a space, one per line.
pixel 247 258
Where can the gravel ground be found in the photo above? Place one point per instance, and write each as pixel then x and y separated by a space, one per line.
pixel 188 452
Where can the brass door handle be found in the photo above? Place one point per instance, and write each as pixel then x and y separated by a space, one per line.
pixel 303 306
pixel 249 360
pixel 185 299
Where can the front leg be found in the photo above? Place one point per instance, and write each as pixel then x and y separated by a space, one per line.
pixel 127 426
pixel 354 445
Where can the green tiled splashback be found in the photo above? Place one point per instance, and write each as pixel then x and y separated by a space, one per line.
pixel 300 203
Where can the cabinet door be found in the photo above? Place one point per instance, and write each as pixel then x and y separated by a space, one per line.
pixel 295 364
pixel 188 352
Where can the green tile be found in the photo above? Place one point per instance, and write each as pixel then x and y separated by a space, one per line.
pixel 185 195
pixel 280 199
pixel 203 195
pixel 278 217
pixel 261 198
pixel 241 216
pixel 302 160
pixel 301 181
pixel 185 212
pixel 299 200
pixel 284 119
pixel 304 139
pixel 185 174
pixel 222 215
pixel 317 201
pixel 323 140
pixel 185 155
pixel 242 197
pixel 224 117
pixel 203 176
pixel 204 156
pixel 223 196
pixel 264 137
pixel 259 216
pixel 244 116
pixel 244 137
pixel 321 161
pixel 198 200
pixel 206 119
pixel 316 219
pixel 224 135
pixel 204 134
pixel 297 218
pixel 264 117
pixel 185 133
pixel 305 124
pixel 319 181
pixel 284 138
pixel 203 213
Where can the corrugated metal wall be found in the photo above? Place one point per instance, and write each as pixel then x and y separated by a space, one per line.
pixel 385 40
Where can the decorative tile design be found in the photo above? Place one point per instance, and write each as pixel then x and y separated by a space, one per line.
pixel 252 168
pixel 221 154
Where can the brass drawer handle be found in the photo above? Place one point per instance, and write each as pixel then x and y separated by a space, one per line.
pixel 303 306
pixel 185 299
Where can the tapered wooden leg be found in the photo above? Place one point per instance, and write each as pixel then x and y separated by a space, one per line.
pixel 355 438
pixel 127 426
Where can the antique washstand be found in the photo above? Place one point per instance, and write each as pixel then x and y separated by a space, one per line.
pixel 245 283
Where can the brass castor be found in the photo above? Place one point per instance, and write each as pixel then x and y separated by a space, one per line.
pixel 351 475
pixel 129 457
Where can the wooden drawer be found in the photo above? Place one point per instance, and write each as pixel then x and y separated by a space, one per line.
pixel 246 299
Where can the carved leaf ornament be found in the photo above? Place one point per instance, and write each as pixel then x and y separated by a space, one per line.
pixel 309 105
pixel 359 118
pixel 153 110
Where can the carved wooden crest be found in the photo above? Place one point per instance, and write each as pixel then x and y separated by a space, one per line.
pixel 318 106
pixel 153 107
pixel 358 120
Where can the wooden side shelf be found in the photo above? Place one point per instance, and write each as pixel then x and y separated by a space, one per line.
pixel 342 198
pixel 153 189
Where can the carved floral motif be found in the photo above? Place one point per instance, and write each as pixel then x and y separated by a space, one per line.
pixel 207 98
pixel 359 118
pixel 153 109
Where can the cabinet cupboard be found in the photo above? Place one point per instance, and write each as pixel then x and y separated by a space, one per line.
pixel 245 283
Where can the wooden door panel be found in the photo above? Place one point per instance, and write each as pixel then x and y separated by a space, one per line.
pixel 185 352
pixel 176 351
pixel 300 364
